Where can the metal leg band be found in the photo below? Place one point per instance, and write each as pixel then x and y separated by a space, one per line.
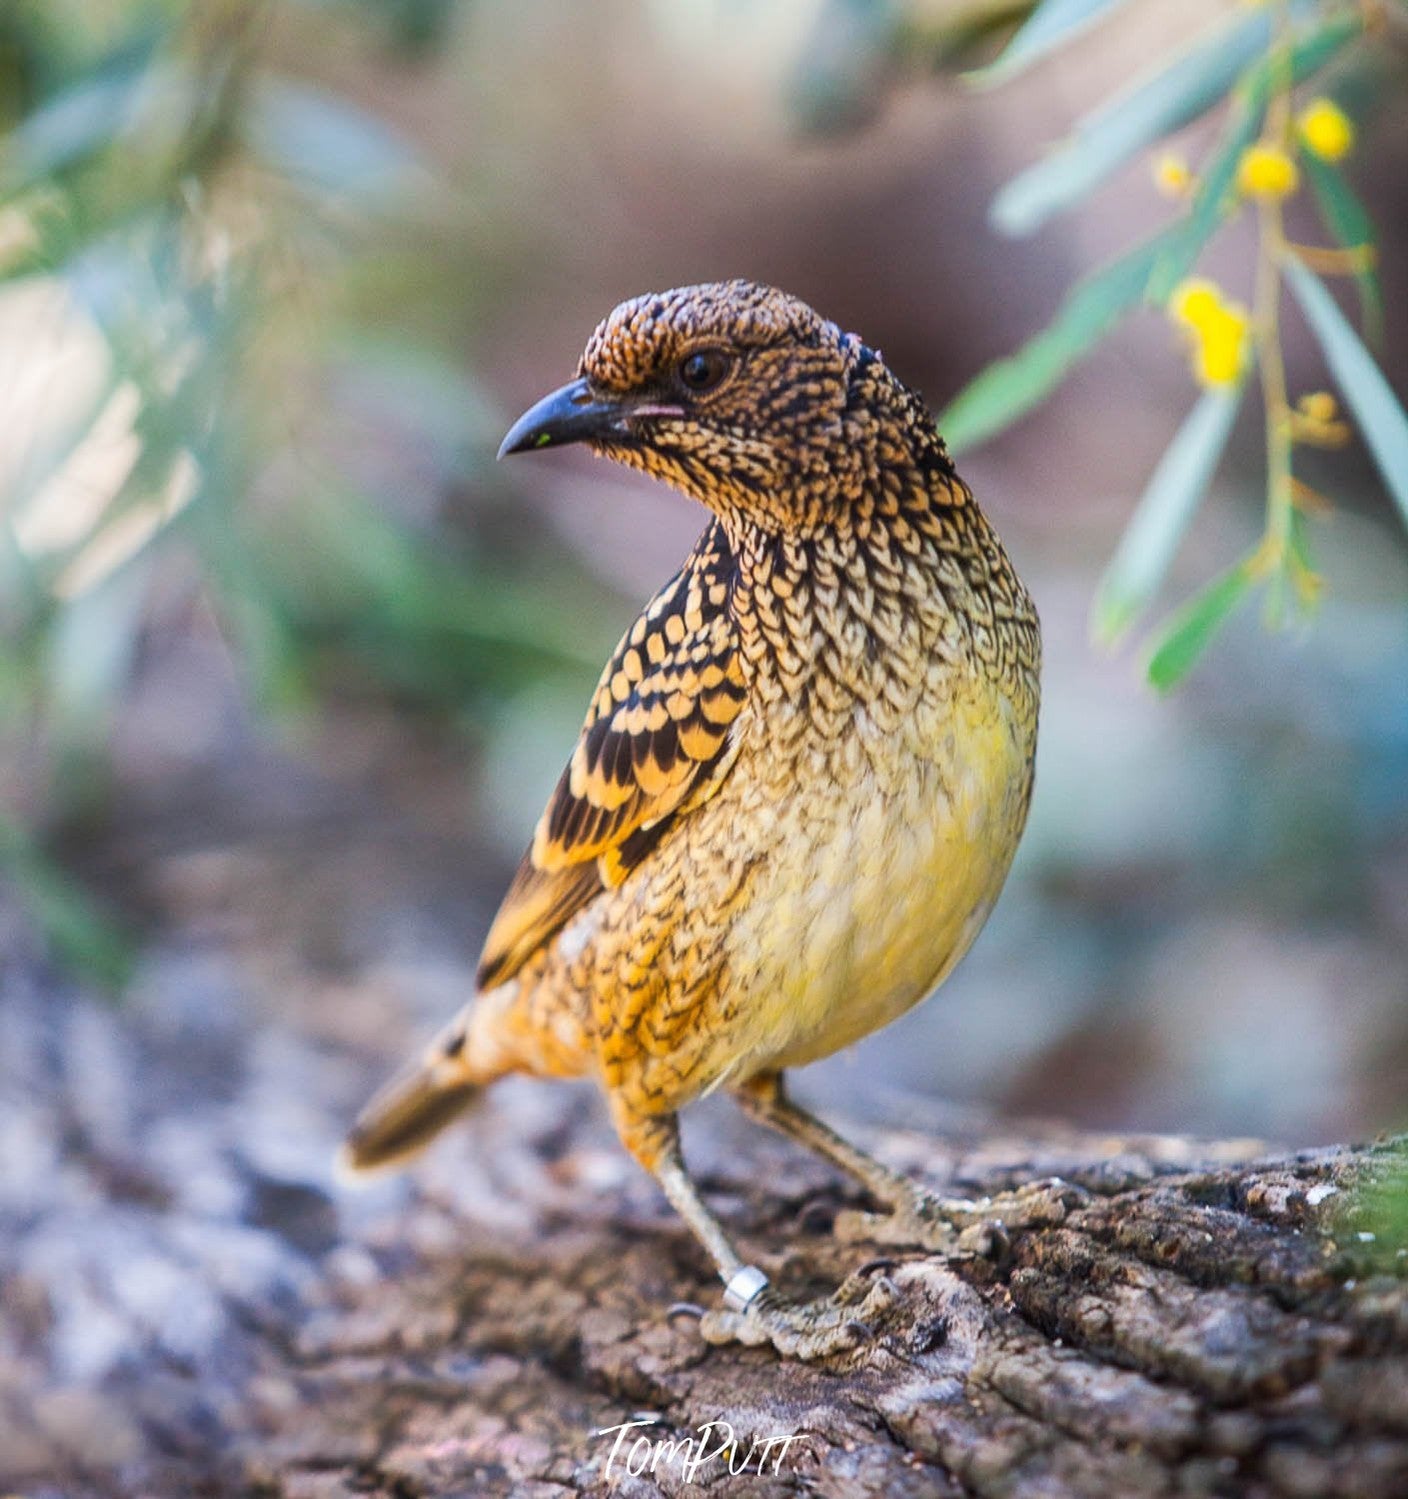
pixel 744 1287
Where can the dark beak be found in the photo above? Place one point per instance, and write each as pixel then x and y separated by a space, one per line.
pixel 574 414
pixel 571 414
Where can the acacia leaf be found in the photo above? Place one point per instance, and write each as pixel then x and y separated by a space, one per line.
pixel 1249 98
pixel 1009 388
pixel 1051 24
pixel 1348 220
pixel 1163 513
pixel 1380 415
pixel 1151 107
pixel 1190 629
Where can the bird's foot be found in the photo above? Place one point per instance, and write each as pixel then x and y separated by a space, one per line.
pixel 802 1329
pixel 980 1226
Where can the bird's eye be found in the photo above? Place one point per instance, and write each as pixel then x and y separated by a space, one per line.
pixel 703 369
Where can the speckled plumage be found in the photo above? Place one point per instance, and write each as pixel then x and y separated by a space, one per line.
pixel 806 767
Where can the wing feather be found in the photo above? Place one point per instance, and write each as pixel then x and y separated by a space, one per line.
pixel 656 736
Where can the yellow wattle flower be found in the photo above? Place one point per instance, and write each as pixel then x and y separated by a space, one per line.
pixel 1316 421
pixel 1220 353
pixel 1194 301
pixel 1218 330
pixel 1172 176
pixel 1266 171
pixel 1325 129
pixel 1318 406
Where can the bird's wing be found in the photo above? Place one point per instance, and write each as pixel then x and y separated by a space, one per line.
pixel 656 736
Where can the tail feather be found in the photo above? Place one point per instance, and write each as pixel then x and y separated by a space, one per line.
pixel 407 1114
pixel 404 1117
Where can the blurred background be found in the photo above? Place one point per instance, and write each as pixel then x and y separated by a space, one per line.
pixel 290 666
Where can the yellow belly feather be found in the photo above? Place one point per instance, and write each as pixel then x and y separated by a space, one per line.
pixel 903 865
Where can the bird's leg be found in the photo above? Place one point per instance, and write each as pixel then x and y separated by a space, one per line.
pixel 753 1313
pixel 916 1217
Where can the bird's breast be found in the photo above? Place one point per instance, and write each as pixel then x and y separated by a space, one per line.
pixel 887 786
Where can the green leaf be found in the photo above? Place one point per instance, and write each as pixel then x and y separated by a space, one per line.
pixel 92 646
pixel 1348 220
pixel 84 118
pixel 77 123
pixel 1010 387
pixel 78 932
pixel 1051 24
pixel 1368 395
pixel 322 141
pixel 1204 217
pixel 832 84
pixel 1163 514
pixel 1148 109
pixel 1191 628
pixel 1249 98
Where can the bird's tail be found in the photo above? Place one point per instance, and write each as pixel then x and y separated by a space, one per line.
pixel 407 1114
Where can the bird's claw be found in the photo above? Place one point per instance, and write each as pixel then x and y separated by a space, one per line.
pixel 806 1329
pixel 690 1310
pixel 979 1227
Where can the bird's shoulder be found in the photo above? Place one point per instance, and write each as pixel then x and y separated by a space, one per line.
pixel 655 743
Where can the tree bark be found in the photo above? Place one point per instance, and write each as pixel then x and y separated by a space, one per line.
pixel 188 1306
pixel 1187 1329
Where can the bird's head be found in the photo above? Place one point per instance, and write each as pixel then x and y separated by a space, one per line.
pixel 735 393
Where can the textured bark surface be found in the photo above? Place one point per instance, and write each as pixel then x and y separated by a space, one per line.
pixel 191 1308
pixel 1181 1331
pixel 190 1305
